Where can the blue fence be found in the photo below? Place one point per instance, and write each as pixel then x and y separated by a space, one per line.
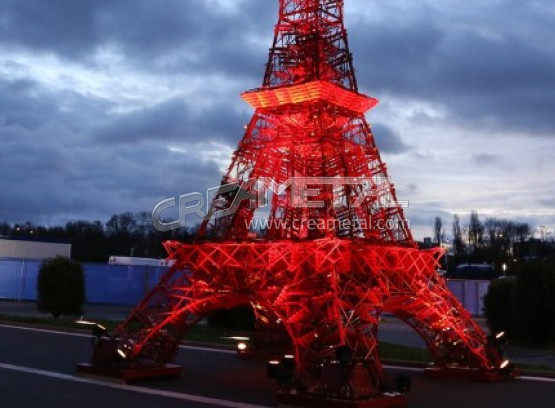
pixel 105 283
pixel 127 285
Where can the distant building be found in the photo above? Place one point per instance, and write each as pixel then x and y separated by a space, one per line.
pixel 29 249
pixel 427 243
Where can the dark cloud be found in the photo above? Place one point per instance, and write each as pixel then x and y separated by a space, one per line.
pixel 54 168
pixel 387 140
pixel 486 158
pixel 29 105
pixel 409 189
pixel 176 120
pixel 170 35
pixel 485 74
pixel 185 36
pixel 83 180
pixel 504 83
pixel 63 27
pixel 394 58
pixel 547 202
pixel 24 103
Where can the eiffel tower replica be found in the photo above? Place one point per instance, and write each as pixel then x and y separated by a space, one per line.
pixel 332 250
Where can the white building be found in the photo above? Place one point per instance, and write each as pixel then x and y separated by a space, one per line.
pixel 22 249
pixel 135 261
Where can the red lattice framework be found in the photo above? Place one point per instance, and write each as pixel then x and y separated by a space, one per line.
pixel 323 273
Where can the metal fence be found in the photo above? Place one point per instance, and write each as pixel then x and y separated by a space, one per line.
pixel 127 285
pixel 105 283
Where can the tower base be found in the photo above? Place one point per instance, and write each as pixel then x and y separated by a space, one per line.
pixel 387 400
pixel 126 375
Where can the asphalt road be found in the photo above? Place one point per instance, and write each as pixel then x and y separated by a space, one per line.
pixel 37 367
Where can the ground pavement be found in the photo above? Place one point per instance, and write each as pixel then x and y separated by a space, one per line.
pixel 391 329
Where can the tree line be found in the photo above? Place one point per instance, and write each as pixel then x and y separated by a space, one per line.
pixel 126 234
pixel 495 240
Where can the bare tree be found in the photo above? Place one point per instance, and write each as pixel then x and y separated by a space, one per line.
pixel 458 243
pixel 522 231
pixel 475 232
pixel 439 235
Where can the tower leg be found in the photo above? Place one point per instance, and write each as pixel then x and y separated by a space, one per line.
pixel 459 346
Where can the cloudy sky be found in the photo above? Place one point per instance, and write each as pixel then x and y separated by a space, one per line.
pixel 109 106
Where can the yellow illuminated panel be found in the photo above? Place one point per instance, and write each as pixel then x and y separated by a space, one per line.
pixel 310 92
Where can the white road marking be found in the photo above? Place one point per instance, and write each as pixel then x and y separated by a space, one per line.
pixel 72 334
pixel 396 367
pixel 216 350
pixel 210 349
pixel 539 379
pixel 35 329
pixel 132 388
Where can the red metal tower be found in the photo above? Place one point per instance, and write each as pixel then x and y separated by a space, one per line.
pixel 335 250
